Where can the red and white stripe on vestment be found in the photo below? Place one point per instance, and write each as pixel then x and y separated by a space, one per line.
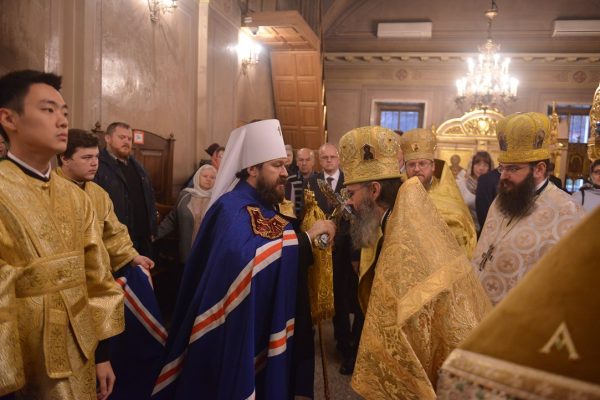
pixel 134 304
pixel 237 292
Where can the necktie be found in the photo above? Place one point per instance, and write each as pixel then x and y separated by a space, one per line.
pixel 330 181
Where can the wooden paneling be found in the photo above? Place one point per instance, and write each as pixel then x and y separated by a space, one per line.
pixel 298 86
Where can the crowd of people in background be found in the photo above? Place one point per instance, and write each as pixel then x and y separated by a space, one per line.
pixel 79 315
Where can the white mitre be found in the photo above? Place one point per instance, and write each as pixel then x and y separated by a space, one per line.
pixel 247 146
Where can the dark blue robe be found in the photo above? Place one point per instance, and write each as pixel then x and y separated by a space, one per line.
pixel 233 326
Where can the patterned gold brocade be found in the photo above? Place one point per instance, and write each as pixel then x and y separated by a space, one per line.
pixel 11 364
pixel 115 236
pixel 450 204
pixel 366 272
pixel 541 341
pixel 320 275
pixel 425 299
pixel 66 299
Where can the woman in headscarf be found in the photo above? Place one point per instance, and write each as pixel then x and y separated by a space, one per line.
pixel 480 164
pixel 191 207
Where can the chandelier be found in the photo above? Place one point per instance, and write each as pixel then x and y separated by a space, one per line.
pixel 487 83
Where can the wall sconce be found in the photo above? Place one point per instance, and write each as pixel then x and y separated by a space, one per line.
pixel 248 52
pixel 158 7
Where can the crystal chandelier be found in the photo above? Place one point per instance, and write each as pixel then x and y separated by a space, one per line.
pixel 488 83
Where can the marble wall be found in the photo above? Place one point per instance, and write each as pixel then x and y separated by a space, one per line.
pixel 180 75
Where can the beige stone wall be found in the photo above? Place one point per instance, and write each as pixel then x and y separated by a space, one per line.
pixel 180 75
pixel 352 88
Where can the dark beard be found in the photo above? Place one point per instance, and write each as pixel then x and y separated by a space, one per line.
pixel 268 192
pixel 363 228
pixel 516 200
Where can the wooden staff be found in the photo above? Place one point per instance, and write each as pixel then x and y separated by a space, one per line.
pixel 323 362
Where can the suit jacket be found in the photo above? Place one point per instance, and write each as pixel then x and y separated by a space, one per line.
pixel 112 179
pixel 487 187
pixel 319 196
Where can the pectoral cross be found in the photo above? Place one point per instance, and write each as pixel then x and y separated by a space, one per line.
pixel 487 256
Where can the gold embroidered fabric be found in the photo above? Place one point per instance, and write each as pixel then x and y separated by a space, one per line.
pixel 541 341
pixel 320 275
pixel 366 272
pixel 425 299
pixel 12 376
pixel 446 196
pixel 517 248
pixel 115 236
pixel 66 299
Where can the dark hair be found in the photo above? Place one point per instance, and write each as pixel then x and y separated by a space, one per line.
pixel 14 87
pixel 219 149
pixel 389 191
pixel 243 174
pixel 594 165
pixel 546 163
pixel 78 138
pixel 212 148
pixel 482 156
pixel 113 127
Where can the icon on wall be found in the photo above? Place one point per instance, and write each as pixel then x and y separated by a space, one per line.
pixel 138 137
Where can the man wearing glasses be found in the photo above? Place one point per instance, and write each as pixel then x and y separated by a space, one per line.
pixel 418 146
pixel 529 214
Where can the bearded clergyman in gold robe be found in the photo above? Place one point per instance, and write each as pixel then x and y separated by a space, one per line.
pixel 425 297
pixel 541 341
pixel 418 146
pixel 60 299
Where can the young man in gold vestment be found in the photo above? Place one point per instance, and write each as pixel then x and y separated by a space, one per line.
pixel 79 164
pixel 425 297
pixel 529 214
pixel 59 302
pixel 418 146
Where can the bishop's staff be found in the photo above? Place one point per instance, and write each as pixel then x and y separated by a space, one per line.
pixel 320 276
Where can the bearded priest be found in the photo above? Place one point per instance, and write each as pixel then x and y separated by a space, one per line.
pixel 529 214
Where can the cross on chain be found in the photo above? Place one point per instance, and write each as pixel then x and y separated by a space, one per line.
pixel 487 256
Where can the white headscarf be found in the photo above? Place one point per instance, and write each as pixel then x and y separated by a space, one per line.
pixel 248 145
pixel 199 199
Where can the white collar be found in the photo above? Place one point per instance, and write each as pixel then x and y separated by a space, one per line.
pixel 542 183
pixel 29 167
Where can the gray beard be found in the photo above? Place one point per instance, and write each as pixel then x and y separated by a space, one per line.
pixel 365 226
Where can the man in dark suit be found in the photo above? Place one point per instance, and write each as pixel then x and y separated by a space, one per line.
pixel 487 188
pixel 128 185
pixel 345 281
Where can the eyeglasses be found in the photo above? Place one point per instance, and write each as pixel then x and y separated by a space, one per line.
pixel 328 158
pixel 421 164
pixel 511 169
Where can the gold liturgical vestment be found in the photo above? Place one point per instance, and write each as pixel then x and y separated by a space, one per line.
pixel 115 236
pixel 541 341
pixel 65 297
pixel 446 196
pixel 518 245
pixel 425 300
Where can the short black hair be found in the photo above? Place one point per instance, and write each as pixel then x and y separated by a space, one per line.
pixel 594 165
pixel 78 138
pixel 15 85
pixel 114 125
pixel 546 163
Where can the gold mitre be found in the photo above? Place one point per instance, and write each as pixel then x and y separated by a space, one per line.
pixel 523 138
pixel 369 153
pixel 418 143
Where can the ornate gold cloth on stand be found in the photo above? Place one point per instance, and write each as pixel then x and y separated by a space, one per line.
pixel 320 275
pixel 425 299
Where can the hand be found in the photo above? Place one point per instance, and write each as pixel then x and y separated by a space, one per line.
pixel 320 227
pixel 106 380
pixel 144 261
